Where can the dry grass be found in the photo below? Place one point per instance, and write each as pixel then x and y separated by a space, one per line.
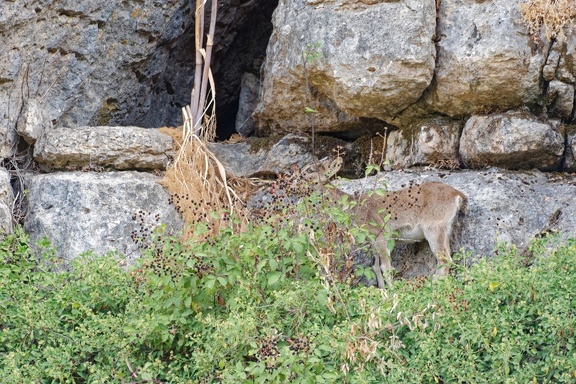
pixel 201 188
pixel 554 15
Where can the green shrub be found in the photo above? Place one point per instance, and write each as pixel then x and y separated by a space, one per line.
pixel 275 304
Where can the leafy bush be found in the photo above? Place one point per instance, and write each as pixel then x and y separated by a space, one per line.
pixel 275 304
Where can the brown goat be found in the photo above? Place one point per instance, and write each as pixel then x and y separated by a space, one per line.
pixel 421 212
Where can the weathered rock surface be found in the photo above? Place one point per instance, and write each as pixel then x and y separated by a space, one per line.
pixel 503 206
pixel 101 212
pixel 485 59
pixel 249 90
pixel 349 61
pixel 117 148
pixel 33 122
pixel 360 59
pixel 6 200
pixel 561 62
pixel 112 62
pixel 560 98
pixel 514 140
pixel 429 142
pixel 245 158
pixel 73 55
pixel 570 160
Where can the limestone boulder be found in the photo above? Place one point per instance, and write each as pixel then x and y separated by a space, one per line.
pixel 503 207
pixel 560 73
pixel 63 53
pixel 345 60
pixel 486 59
pixel 238 158
pixel 560 99
pixel 513 140
pixel 428 142
pixel 561 60
pixel 112 62
pixel 117 148
pixel 265 155
pixel 99 212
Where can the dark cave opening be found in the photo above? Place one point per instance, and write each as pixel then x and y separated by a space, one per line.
pixel 243 30
pixel 245 54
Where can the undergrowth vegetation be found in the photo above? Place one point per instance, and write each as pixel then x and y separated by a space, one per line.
pixel 278 302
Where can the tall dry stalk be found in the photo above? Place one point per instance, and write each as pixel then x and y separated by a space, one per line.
pixel 197 180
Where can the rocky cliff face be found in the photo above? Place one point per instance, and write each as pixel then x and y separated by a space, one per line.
pixel 403 62
pixel 355 59
pixel 111 62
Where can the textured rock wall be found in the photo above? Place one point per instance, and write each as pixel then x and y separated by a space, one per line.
pixel 406 61
pixel 359 59
pixel 485 59
pixel 113 62
pixel 88 62
pixel 6 202
pixel 100 212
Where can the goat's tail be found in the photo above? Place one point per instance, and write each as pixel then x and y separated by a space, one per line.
pixel 462 201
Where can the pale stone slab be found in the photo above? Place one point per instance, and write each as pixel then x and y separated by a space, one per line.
pixel 6 201
pixel 117 148
pixel 99 212
pixel 512 140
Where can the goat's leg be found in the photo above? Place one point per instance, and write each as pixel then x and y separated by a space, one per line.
pixel 382 265
pixel 386 268
pixel 378 272
pixel 439 241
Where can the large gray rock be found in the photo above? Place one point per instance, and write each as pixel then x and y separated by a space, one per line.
pixel 503 207
pixel 561 61
pixel 100 212
pixel 514 140
pixel 486 59
pixel 361 59
pixel 6 201
pixel 118 148
pixel 430 142
pixel 113 62
pixel 570 160
pixel 64 53
pixel 264 156
pixel 560 99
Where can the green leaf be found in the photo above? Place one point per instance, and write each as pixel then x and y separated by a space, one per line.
pixel 261 265
pixel 321 296
pixel 273 277
pixel 273 264
pixel 330 375
pixel 222 280
pixel 210 281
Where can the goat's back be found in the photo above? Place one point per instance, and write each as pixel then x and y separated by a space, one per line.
pixel 431 203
